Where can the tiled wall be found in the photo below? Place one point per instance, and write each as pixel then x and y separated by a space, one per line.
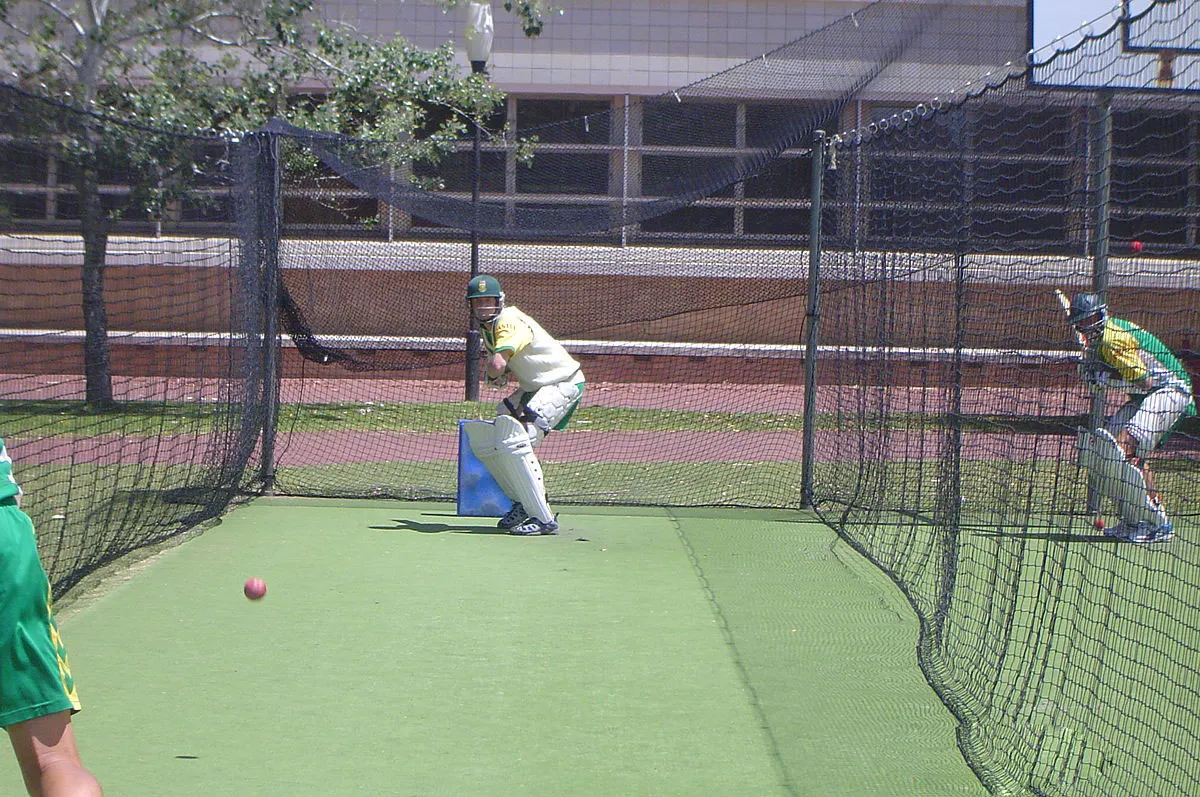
pixel 605 47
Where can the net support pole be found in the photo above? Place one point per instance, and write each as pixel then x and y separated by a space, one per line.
pixel 1102 146
pixel 473 347
pixel 952 484
pixel 269 232
pixel 949 515
pixel 812 320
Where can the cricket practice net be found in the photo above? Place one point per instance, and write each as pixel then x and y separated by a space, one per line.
pixel 284 310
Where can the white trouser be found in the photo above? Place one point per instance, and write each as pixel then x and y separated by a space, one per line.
pixel 505 449
pixel 1151 418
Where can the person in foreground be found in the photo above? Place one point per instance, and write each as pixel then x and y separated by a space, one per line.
pixel 37 693
pixel 1120 355
pixel 550 387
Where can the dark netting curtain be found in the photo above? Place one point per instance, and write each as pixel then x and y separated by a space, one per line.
pixel 811 78
pixel 172 359
pixel 253 345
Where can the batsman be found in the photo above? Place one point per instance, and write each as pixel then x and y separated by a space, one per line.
pixel 1119 355
pixel 550 385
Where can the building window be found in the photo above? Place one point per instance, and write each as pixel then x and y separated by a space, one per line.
pixel 769 124
pixel 689 124
pixel 1005 176
pixel 564 121
pixel 564 173
pixel 694 220
pixel 669 175
pixel 456 171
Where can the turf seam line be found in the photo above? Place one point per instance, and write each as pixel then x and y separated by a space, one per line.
pixel 786 781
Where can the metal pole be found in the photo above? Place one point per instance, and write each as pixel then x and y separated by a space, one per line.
pixel 473 346
pixel 949 510
pixel 625 173
pixel 813 318
pixel 269 231
pixel 1102 145
pixel 952 489
pixel 1104 134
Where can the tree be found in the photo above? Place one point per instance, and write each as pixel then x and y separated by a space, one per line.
pixel 222 65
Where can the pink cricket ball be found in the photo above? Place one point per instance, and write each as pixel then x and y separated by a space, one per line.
pixel 1099 524
pixel 1136 247
pixel 255 588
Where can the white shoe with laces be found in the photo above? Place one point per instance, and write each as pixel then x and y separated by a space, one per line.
pixel 1144 533
pixel 513 518
pixel 533 527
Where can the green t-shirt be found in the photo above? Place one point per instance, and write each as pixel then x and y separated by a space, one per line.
pixel 8 484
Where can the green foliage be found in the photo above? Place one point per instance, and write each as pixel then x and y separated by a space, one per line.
pixel 227 66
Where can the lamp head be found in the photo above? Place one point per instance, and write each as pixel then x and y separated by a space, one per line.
pixel 480 32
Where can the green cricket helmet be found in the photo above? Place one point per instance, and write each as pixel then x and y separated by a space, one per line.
pixel 481 287
pixel 1088 313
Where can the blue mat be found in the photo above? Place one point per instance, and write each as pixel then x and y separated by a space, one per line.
pixel 478 493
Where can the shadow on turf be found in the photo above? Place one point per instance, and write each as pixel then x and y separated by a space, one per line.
pixel 437 528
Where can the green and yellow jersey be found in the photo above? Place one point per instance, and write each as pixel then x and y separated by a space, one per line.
pixel 1142 361
pixel 535 358
pixel 36 674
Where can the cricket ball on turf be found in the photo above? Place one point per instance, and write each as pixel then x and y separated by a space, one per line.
pixel 255 588
pixel 1099 524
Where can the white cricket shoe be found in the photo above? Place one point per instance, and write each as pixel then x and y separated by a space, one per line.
pixel 533 527
pixel 513 518
pixel 1144 533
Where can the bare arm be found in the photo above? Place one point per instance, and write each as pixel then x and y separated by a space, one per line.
pixel 497 364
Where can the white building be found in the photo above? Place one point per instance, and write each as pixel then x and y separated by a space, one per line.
pixel 659 60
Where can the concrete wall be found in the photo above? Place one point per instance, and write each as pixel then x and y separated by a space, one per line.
pixel 594 295
pixel 1009 314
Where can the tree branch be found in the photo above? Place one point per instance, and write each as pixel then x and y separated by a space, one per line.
pixel 99 11
pixel 59 52
pixel 70 20
pixel 329 65
pixel 189 26
pixel 6 22
pixel 209 37
pixel 308 55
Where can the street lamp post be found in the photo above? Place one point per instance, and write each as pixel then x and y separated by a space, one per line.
pixel 479 51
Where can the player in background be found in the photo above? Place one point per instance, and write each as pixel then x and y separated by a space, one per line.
pixel 37 693
pixel 1120 355
pixel 550 387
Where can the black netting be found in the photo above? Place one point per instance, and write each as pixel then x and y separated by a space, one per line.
pixel 139 423
pixel 666 242
pixel 952 449
pixel 800 87
pixel 948 404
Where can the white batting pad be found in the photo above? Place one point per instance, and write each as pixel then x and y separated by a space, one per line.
pixel 1120 480
pixel 1086 444
pixel 479 435
pixel 515 464
pixel 511 403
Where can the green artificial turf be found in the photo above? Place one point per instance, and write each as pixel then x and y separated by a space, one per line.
pixel 402 650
